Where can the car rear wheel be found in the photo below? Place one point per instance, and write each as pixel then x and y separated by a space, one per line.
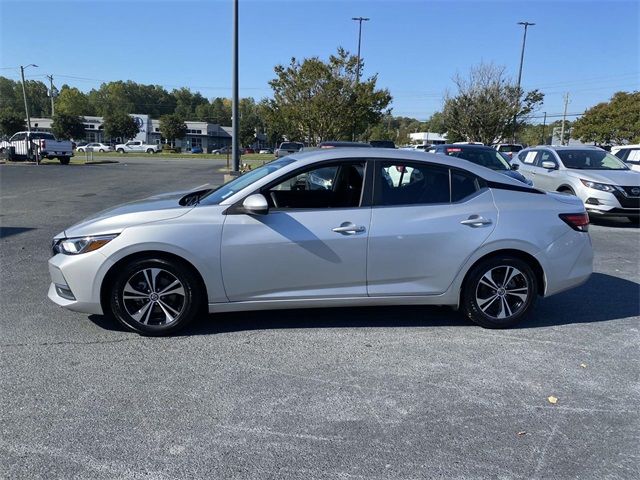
pixel 120 150
pixel 499 292
pixel 155 296
pixel 64 160
pixel 150 150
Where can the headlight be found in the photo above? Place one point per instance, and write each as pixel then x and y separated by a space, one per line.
pixel 598 186
pixel 75 246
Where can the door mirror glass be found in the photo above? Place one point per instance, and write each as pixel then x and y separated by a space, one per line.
pixel 256 204
pixel 515 166
pixel 549 165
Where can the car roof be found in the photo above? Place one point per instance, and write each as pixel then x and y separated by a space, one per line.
pixel 338 143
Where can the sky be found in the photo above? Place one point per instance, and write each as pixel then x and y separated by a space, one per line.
pixel 589 49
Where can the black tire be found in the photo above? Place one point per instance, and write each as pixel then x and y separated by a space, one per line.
pixel 184 307
pixel 506 309
pixel 101 150
pixel 64 160
pixel 120 150
pixel 634 220
pixel 566 190
pixel 150 150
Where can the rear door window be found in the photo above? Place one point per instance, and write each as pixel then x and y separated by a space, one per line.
pixel 408 183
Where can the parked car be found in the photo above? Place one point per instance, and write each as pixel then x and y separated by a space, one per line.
pixel 137 146
pixel 287 148
pixel 382 144
pixel 464 235
pixel 96 147
pixel 75 145
pixel 629 154
pixel 43 144
pixel 481 155
pixel 601 180
pixel 196 149
pixel 248 150
pixel 341 144
pixel 266 151
pixel 509 149
pixel 222 150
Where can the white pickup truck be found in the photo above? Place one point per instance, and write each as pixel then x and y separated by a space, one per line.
pixel 137 146
pixel 41 144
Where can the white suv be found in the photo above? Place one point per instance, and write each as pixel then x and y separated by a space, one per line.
pixel 629 154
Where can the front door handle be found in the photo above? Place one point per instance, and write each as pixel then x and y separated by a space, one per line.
pixel 476 221
pixel 348 228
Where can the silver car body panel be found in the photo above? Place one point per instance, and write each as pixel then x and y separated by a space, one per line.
pixel 295 259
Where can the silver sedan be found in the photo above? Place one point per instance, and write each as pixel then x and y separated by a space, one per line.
pixel 337 227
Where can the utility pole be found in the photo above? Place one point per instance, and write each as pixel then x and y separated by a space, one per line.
pixel 235 123
pixel 544 125
pixel 51 94
pixel 359 20
pixel 524 42
pixel 26 108
pixel 564 117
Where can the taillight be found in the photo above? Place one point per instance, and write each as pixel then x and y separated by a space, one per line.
pixel 577 221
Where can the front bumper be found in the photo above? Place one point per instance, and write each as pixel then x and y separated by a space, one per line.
pixel 76 281
pixel 616 204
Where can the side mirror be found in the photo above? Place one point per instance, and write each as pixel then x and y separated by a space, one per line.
pixel 549 165
pixel 255 204
pixel 515 166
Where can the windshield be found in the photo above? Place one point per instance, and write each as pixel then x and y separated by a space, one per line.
pixel 590 160
pixel 484 157
pixel 234 186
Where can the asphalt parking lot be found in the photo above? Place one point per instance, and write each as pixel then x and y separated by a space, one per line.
pixel 365 393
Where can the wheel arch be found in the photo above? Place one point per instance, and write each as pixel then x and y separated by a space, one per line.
pixel 141 255
pixel 565 187
pixel 538 271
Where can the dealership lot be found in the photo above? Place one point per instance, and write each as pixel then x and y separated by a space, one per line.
pixel 398 392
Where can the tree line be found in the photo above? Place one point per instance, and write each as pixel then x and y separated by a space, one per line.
pixel 315 100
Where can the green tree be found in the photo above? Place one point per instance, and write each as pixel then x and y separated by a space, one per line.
pixel 218 111
pixel 187 102
pixel 172 127
pixel 11 122
pixel 72 101
pixel 68 126
pixel 616 121
pixel 316 100
pixel 120 125
pixel 484 106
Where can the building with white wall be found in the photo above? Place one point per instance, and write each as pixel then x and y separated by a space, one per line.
pixel 428 138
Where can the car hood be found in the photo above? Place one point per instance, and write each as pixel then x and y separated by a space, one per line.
pixel 627 178
pixel 116 219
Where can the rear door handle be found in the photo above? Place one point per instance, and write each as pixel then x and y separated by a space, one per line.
pixel 476 221
pixel 348 228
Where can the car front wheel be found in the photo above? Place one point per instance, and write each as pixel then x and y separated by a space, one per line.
pixel 155 296
pixel 499 292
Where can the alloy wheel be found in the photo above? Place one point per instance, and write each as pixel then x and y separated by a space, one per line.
pixel 502 292
pixel 154 296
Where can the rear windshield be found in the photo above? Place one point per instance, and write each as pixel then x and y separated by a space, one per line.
pixel 42 136
pixel 510 148
pixel 291 146
pixel 590 160
pixel 484 157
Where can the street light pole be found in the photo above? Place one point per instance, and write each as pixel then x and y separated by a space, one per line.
pixel 235 121
pixel 359 20
pixel 524 41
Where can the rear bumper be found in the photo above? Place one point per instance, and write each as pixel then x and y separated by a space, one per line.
pixel 567 262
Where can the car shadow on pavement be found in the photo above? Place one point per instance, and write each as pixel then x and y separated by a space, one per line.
pixel 9 231
pixel 602 298
pixel 614 222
